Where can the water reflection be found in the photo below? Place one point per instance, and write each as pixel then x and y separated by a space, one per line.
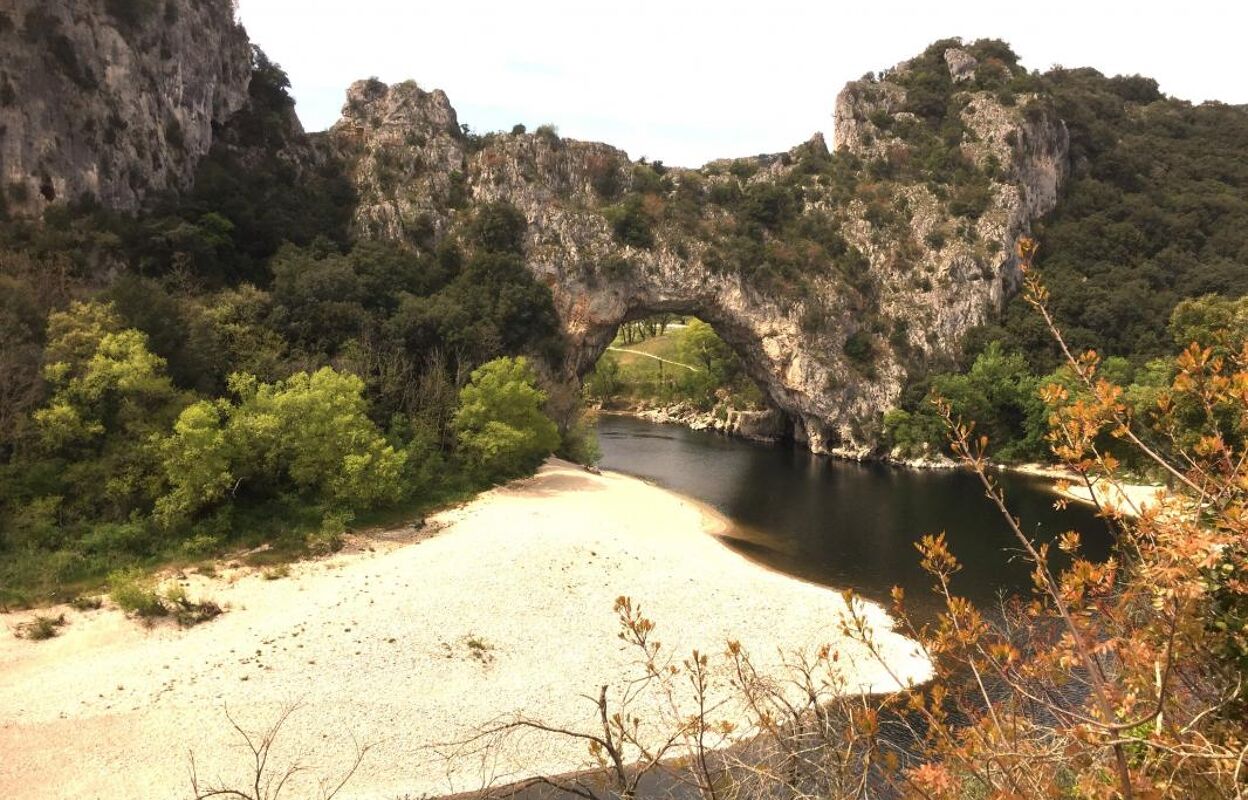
pixel 844 524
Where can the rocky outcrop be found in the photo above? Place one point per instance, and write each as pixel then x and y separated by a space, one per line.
pixel 407 154
pixel 961 64
pixel 114 101
pixel 756 425
pixel 904 273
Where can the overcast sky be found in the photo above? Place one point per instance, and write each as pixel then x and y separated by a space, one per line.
pixel 686 82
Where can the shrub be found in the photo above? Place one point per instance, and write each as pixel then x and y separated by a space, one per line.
pixel 201 544
pixel 499 424
pixel 616 268
pixel 329 538
pixel 187 612
pixel 499 228
pixel 133 592
pixel 580 441
pixel 768 204
pixel 631 224
pixel 86 603
pixel 309 433
pixel 604 176
pixel 858 348
pixel 971 199
pixel 41 627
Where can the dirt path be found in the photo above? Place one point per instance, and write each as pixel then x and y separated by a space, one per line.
pixel 656 358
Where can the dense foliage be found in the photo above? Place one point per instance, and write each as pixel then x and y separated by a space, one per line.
pixel 500 425
pixel 660 360
pixel 1154 213
pixel 230 368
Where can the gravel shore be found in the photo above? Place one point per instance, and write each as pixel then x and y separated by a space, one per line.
pixel 408 647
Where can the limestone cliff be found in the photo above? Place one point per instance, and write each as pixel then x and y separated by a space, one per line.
pixel 836 276
pixel 112 100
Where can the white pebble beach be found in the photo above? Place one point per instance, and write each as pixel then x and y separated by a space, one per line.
pixel 506 610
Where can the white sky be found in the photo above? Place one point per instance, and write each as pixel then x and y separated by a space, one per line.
pixel 686 81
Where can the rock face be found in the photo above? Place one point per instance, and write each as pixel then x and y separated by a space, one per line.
pixel 114 107
pixel 408 153
pixel 836 275
pixel 961 64
pixel 833 350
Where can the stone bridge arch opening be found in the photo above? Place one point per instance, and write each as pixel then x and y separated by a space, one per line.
pixel 672 363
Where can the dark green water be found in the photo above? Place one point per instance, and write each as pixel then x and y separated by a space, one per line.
pixel 844 524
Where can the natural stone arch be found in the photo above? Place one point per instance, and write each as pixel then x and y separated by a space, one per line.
pixel 916 292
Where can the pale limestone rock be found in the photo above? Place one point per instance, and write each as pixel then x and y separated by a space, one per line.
pixel 961 64
pixel 931 291
pixel 90 105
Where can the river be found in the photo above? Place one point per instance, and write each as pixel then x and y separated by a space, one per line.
pixel 844 524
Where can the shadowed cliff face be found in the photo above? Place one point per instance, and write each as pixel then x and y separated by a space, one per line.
pixel 835 275
pixel 115 108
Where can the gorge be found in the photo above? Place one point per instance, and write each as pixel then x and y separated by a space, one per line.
pixel 320 414
pixel 839 275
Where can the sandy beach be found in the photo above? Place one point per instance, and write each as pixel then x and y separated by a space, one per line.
pixel 1128 499
pixel 407 646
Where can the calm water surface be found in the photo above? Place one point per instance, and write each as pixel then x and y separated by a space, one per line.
pixel 844 524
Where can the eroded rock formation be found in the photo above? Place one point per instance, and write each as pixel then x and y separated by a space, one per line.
pixel 837 275
pixel 895 276
pixel 112 101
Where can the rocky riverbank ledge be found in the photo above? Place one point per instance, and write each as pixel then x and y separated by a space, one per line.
pixel 758 425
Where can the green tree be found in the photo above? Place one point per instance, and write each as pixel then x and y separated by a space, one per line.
pixel 309 434
pixel 604 382
pixel 104 378
pixel 1210 321
pixel 499 424
pixel 700 344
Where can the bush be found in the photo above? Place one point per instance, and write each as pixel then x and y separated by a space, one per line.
pixel 858 348
pixel 86 603
pixel 41 627
pixel 499 424
pixel 134 594
pixel 580 441
pixel 187 612
pixel 499 228
pixel 604 176
pixel 309 433
pixel 631 224
pixel 201 544
pixel 329 538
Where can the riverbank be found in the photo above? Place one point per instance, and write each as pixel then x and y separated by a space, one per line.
pixel 409 645
pixel 1127 499
pixel 755 425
